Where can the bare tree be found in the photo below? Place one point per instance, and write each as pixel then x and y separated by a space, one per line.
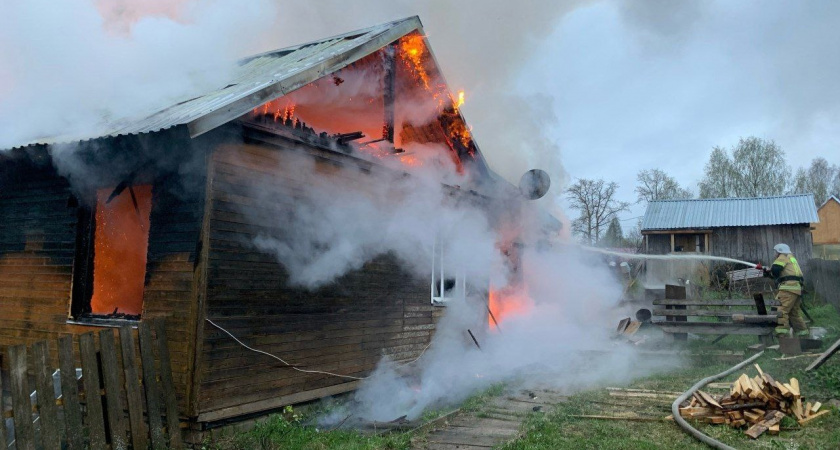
pixel 757 168
pixel 655 184
pixel 718 178
pixel 634 236
pixel 596 202
pixel 818 179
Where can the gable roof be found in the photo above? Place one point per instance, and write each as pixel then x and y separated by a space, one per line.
pixel 255 80
pixel 830 198
pixel 730 212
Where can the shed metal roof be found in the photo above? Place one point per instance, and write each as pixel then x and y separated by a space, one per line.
pixel 730 212
pixel 255 80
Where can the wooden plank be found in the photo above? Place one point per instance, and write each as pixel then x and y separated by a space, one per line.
pixel 715 328
pixel 70 394
pixel 47 409
pixel 824 357
pixel 819 414
pixel 150 385
pixel 167 386
pixel 113 388
pixel 132 387
pixel 698 312
pixel 723 302
pixel 2 415
pixel 93 400
pixel 24 430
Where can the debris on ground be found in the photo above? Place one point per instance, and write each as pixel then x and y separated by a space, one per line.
pixel 758 403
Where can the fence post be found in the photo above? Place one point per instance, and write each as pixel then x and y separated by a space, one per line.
pixel 167 386
pixel 21 405
pixel 111 377
pixel 70 394
pixel 132 389
pixel 2 414
pixel 93 400
pixel 47 409
pixel 151 385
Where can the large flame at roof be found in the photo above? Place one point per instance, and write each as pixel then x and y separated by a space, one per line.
pixel 354 99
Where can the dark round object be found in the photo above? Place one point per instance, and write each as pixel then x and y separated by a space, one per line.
pixel 643 315
pixel 534 184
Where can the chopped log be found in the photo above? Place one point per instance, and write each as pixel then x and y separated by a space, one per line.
pixel 770 419
pixel 816 407
pixel 794 383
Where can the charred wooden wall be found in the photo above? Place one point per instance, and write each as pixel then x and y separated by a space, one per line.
pixel 38 221
pixel 345 327
pixel 747 243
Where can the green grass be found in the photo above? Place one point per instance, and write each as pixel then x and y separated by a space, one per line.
pixel 279 432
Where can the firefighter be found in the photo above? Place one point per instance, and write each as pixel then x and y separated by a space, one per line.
pixel 785 270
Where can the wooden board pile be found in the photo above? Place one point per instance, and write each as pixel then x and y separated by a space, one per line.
pixel 758 403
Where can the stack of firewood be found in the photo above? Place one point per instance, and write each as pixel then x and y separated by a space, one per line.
pixel 758 403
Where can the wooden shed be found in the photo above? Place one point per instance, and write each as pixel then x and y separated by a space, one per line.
pixel 740 228
pixel 827 232
pixel 155 217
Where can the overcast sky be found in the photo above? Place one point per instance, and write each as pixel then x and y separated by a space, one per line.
pixel 656 84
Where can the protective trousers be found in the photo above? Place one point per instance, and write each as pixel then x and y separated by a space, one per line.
pixel 789 313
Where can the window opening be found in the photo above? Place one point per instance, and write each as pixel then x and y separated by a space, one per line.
pixel 448 283
pixel 111 270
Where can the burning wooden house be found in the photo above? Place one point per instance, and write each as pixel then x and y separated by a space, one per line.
pixel 155 217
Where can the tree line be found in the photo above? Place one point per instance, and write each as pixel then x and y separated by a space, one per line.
pixel 754 167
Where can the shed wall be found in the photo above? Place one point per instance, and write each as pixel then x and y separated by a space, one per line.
pixel 345 327
pixel 751 244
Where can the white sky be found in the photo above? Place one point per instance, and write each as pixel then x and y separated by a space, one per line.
pixel 657 84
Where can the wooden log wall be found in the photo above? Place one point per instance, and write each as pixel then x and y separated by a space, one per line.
pixel 345 327
pixel 38 220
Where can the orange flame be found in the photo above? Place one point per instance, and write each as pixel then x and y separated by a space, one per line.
pixel 459 101
pixel 505 303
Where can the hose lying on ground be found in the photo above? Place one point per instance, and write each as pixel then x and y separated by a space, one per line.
pixel 675 407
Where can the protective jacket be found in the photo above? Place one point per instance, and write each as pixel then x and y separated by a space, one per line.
pixel 787 273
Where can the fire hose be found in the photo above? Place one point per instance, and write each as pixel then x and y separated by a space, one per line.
pixel 675 407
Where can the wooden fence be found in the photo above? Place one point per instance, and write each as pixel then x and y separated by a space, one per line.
pixel 823 277
pixel 107 409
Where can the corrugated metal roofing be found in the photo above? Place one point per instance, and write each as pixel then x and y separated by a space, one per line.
pixel 255 81
pixel 730 212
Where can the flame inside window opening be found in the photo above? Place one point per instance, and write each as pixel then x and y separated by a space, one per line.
pixel 121 241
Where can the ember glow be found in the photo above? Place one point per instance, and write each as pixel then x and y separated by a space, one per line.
pixel 505 303
pixel 120 244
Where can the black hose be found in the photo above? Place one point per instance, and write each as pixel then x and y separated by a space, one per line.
pixel 675 407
